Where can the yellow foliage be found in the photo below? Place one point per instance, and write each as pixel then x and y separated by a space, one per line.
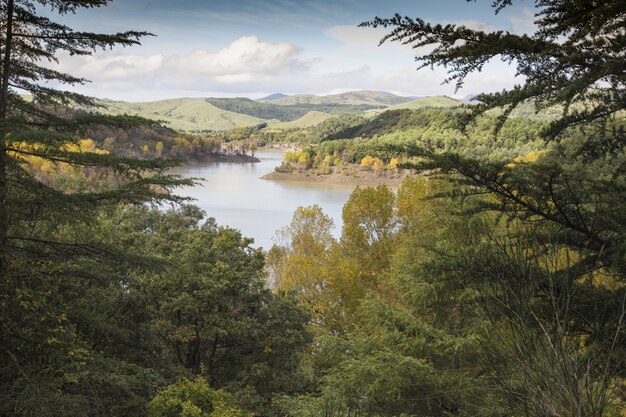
pixel 304 158
pixel 367 161
pixel 309 261
pixel 60 174
pixel 530 157
pixel 84 146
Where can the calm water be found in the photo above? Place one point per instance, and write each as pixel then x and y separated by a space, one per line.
pixel 235 196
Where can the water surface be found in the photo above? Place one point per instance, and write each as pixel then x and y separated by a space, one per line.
pixel 235 196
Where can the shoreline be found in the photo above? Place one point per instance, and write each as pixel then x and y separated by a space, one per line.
pixel 223 158
pixel 362 179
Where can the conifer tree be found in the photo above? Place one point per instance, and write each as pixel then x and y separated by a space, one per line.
pixel 68 347
pixel 40 126
pixel 555 277
pixel 573 61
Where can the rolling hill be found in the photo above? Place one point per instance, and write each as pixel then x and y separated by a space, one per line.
pixel 200 114
pixel 183 114
pixel 274 96
pixel 354 98
pixel 312 118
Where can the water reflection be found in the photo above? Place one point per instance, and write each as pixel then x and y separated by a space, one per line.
pixel 234 195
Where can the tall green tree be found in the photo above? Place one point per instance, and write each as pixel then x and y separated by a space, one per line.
pixel 38 127
pixel 208 306
pixel 64 300
pixel 555 277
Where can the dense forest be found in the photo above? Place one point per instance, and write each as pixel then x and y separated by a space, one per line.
pixel 491 283
pixel 381 143
pixel 286 112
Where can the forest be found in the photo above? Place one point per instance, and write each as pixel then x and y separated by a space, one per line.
pixel 492 282
pixel 285 112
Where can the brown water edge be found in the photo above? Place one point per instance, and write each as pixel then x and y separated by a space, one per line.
pixel 363 179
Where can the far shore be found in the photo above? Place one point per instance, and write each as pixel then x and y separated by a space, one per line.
pixel 222 157
pixel 364 179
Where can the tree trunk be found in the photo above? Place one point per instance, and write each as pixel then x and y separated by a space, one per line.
pixel 4 132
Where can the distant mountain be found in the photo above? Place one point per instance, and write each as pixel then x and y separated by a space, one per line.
pixel 274 96
pixel 365 97
pixel 470 98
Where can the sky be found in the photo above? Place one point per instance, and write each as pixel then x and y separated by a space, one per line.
pixel 252 48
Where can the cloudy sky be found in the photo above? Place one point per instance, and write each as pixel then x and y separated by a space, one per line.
pixel 251 48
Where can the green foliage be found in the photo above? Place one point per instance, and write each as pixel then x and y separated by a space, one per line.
pixel 387 137
pixel 193 398
pixel 404 348
pixel 554 253
pixel 431 102
pixel 210 308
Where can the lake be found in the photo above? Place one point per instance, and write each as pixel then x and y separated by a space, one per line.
pixel 235 196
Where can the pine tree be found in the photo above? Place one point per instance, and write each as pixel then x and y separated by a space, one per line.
pixel 38 127
pixel 73 336
pixel 574 61
pixel 553 280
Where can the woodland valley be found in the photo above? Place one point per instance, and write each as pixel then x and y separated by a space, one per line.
pixel 458 258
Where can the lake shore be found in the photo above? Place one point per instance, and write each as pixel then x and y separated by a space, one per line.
pixel 363 179
pixel 223 157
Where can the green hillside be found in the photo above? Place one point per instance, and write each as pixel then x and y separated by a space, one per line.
pixel 434 101
pixel 289 112
pixel 183 114
pixel 198 114
pixel 312 118
pixel 265 111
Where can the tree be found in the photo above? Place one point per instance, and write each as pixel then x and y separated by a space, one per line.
pixel 159 148
pixel 574 59
pixel 27 40
pixel 209 307
pixel 563 249
pixel 369 221
pixel 300 261
pixel 194 398
pixel 412 350
pixel 66 356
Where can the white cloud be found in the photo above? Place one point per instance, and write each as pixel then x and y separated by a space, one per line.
pixel 251 67
pixel 244 60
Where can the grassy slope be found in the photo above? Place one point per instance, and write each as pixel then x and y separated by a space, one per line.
pixel 197 114
pixel 312 118
pixel 184 114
